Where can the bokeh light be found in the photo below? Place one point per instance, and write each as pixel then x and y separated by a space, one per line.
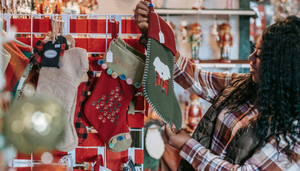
pixel 46 158
pixel 30 90
pixel 33 123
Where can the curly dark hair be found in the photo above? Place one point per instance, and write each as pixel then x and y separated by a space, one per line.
pixel 278 90
pixel 279 84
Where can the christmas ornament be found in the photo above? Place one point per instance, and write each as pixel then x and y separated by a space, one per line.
pixel 195 40
pixel 57 7
pixel 226 42
pixel 198 4
pixel 194 112
pixel 34 122
pixel 214 31
pixel 214 41
pixel 173 29
pixel 158 81
pixel 183 29
pixel 46 7
pixel 229 4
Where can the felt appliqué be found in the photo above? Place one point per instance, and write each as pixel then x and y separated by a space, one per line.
pixel 162 74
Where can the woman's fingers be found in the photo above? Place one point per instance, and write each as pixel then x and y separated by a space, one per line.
pixel 142 12
pixel 143 7
pixel 176 138
pixel 168 130
pixel 174 129
pixel 141 16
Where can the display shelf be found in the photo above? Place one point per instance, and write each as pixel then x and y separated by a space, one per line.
pixel 217 64
pixel 178 11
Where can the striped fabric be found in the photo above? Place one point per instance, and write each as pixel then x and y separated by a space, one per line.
pixel 207 85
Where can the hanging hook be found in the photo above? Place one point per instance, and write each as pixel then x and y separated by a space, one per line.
pixel 168 19
pixel 114 27
pixel 112 18
pixel 68 160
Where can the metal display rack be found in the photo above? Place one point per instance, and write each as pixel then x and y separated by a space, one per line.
pixel 93 33
pixel 176 11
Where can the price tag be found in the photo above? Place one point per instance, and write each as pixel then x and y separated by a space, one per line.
pixel 161 37
pixel 57 46
pixel 109 56
pixel 51 52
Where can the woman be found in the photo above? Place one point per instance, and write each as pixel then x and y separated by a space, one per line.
pixel 253 121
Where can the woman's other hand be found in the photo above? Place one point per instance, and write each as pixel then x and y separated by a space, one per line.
pixel 177 138
pixel 141 16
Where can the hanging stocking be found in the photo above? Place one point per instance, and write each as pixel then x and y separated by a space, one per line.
pixel 106 110
pixel 158 82
pixel 62 83
pixel 107 106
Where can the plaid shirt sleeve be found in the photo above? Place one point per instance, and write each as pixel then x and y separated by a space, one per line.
pixel 267 158
pixel 205 84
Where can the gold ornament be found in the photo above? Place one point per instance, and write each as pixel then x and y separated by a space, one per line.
pixel 34 123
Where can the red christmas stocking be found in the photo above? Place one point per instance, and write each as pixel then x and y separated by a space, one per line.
pixel 107 106
pixel 106 110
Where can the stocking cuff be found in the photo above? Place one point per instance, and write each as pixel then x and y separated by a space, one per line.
pixel 120 142
pixel 128 63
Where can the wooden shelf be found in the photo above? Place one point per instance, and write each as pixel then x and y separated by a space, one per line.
pixel 177 11
pixel 218 64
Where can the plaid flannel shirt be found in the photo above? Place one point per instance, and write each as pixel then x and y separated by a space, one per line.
pixel 207 85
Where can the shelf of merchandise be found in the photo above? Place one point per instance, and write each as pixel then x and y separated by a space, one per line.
pixel 217 64
pixel 178 11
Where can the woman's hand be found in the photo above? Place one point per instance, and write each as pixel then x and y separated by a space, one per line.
pixel 141 16
pixel 177 139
